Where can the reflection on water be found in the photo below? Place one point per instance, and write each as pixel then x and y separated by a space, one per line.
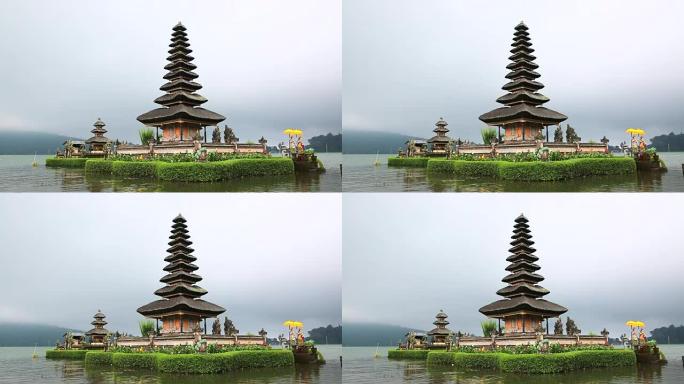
pixel 360 175
pixel 17 175
pixel 360 367
pixel 17 367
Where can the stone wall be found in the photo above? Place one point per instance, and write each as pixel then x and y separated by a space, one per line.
pixel 169 340
pixel 167 149
pixel 516 340
pixel 532 147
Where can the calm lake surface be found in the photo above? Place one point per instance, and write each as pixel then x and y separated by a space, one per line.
pixel 361 367
pixel 17 175
pixel 360 175
pixel 17 366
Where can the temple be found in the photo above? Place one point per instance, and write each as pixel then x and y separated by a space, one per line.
pixel 180 118
pixel 439 144
pixel 522 309
pixel 180 123
pixel 522 117
pixel 98 142
pixel 181 310
pixel 99 333
pixel 440 334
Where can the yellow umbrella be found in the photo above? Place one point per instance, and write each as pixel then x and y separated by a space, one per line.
pixel 631 323
pixel 640 324
pixel 293 324
pixel 292 131
pixel 635 131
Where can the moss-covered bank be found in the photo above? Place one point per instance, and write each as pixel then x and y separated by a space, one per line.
pixel 61 162
pixel 191 171
pixel 535 170
pixel 535 363
pixel 420 162
pixel 192 363
pixel 413 354
pixel 77 354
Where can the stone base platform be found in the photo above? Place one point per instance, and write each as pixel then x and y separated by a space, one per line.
pixel 189 339
pixel 189 147
pixel 531 339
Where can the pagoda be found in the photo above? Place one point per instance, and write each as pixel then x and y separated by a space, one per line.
pixel 98 141
pixel 181 310
pixel 522 117
pixel 441 333
pixel 181 118
pixel 522 308
pixel 98 334
pixel 440 142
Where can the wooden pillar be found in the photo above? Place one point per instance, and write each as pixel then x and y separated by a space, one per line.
pixel 157 139
pixel 181 139
pixel 181 320
pixel 547 133
pixel 205 319
pixel 523 317
pixel 499 142
pixel 499 325
pixel 523 137
pixel 205 141
pixel 157 325
pixel 547 325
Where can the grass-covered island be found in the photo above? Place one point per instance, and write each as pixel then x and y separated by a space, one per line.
pixel 180 167
pixel 524 359
pixel 524 166
pixel 181 359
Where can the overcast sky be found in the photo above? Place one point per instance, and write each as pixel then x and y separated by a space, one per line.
pixel 67 255
pixel 607 65
pixel 265 64
pixel 608 258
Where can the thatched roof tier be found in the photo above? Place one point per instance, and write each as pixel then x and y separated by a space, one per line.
pixel 99 324
pixel 180 292
pixel 523 294
pixel 99 132
pixel 181 102
pixel 523 102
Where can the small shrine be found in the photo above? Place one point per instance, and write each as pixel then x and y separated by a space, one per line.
pixel 439 144
pixel 440 336
pixel 98 142
pixel 98 334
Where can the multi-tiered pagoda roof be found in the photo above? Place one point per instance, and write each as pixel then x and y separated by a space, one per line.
pixel 181 101
pixel 441 325
pixel 440 131
pixel 523 102
pixel 181 294
pixel 98 324
pixel 98 133
pixel 523 293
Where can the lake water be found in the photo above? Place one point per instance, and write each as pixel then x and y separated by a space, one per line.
pixel 17 366
pixel 361 367
pixel 17 175
pixel 360 175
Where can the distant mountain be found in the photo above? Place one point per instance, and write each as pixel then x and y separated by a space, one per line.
pixel 20 334
pixel 357 142
pixel 326 335
pixel 671 142
pixel 28 143
pixel 669 335
pixel 326 143
pixel 372 334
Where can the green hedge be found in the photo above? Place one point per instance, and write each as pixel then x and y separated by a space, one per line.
pixel 135 360
pixel 99 167
pixel 78 354
pixel 135 169
pixel 192 363
pixel 421 162
pixel 464 360
pixel 223 362
pixel 226 169
pixel 535 363
pixel 98 358
pixel 72 162
pixel 476 168
pixel 535 170
pixel 418 354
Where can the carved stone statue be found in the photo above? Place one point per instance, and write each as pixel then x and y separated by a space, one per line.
pixel 216 135
pixel 229 135
pixel 216 327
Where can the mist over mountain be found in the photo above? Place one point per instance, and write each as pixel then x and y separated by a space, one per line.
pixel 22 334
pixel 28 143
pixel 359 142
pixel 372 334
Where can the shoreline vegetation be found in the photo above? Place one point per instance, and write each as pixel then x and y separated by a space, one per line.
pixel 522 169
pixel 527 363
pixel 185 363
pixel 172 169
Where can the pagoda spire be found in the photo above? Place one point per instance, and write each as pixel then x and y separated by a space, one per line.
pixel 181 100
pixel 181 292
pixel 523 102
pixel 523 292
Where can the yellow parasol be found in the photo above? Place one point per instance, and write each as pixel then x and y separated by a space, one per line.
pixel 292 131
pixel 293 324
pixel 635 131
pixel 635 323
